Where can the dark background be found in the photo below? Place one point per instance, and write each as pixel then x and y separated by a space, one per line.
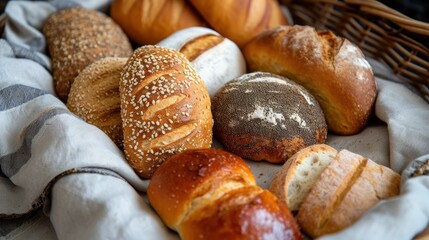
pixel 416 9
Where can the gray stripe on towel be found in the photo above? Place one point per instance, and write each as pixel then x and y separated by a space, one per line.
pixel 15 95
pixel 11 163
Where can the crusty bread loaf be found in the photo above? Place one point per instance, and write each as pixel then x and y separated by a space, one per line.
pixel 212 194
pixel 296 177
pixel 346 189
pixel 331 68
pixel 150 21
pixel 77 37
pixel 94 96
pixel 165 108
pixel 217 59
pixel 240 20
pixel 263 116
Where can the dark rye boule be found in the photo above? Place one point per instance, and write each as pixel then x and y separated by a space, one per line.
pixel 262 116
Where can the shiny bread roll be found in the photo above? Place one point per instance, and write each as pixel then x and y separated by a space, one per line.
pixel 331 68
pixel 94 96
pixel 217 59
pixel 165 108
pixel 212 194
pixel 150 21
pixel 348 187
pixel 263 116
pixel 240 20
pixel 77 37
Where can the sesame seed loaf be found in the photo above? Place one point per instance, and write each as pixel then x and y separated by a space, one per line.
pixel 94 96
pixel 263 116
pixel 76 37
pixel 165 108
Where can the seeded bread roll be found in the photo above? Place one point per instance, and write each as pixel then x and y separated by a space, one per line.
pixel 217 59
pixel 262 116
pixel 346 189
pixel 331 68
pixel 212 194
pixel 150 21
pixel 165 108
pixel 94 96
pixel 296 177
pixel 77 37
pixel 240 20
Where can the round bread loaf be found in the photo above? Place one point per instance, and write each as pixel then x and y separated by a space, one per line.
pixel 77 37
pixel 217 59
pixel 212 194
pixel 150 21
pixel 331 68
pixel 240 20
pixel 262 116
pixel 94 96
pixel 165 108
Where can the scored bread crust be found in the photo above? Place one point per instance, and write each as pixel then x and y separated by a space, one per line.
pixel 347 188
pixel 294 180
pixel 165 108
pixel 331 68
pixel 94 96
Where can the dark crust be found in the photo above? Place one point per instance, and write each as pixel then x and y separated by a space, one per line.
pixel 252 137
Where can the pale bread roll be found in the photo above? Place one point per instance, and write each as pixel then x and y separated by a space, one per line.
pixel 165 108
pixel 347 188
pixel 217 59
pixel 331 68
pixel 94 96
pixel 296 177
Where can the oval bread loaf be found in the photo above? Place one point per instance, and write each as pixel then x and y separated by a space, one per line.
pixel 77 37
pixel 263 116
pixel 165 108
pixel 150 21
pixel 331 68
pixel 217 59
pixel 94 96
pixel 212 194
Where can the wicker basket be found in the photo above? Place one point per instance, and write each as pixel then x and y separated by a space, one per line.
pixel 382 33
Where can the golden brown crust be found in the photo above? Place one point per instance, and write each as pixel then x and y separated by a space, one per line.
pixel 331 68
pixel 77 37
pixel 349 186
pixel 199 45
pixel 165 108
pixel 241 20
pixel 212 193
pixel 262 116
pixel 150 21
pixel 94 96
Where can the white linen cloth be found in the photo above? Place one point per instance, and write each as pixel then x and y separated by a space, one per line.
pixel 51 158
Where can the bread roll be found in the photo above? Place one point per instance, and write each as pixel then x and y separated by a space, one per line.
pixel 77 37
pixel 417 167
pixel 94 96
pixel 212 194
pixel 240 20
pixel 217 59
pixel 331 68
pixel 262 116
pixel 165 108
pixel 296 177
pixel 150 21
pixel 346 189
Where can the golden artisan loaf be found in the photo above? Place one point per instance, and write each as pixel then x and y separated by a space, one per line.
pixel 165 108
pixel 331 68
pixel 94 96
pixel 348 187
pixel 240 20
pixel 263 116
pixel 150 21
pixel 212 194
pixel 77 37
